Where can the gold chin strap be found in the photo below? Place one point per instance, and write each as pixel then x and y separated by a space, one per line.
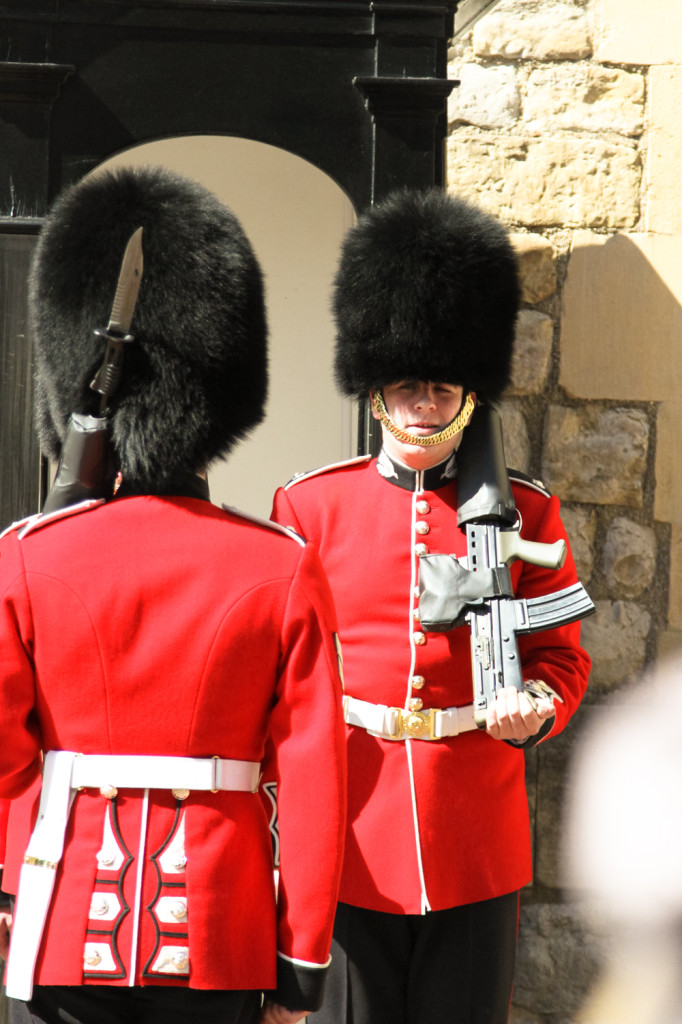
pixel 459 423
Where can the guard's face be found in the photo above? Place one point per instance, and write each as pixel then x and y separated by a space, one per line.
pixel 421 408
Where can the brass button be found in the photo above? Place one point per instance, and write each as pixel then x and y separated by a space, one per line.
pixel 419 639
pixel 92 957
pixel 179 910
pixel 99 905
pixel 180 794
pixel 421 549
pixel 415 614
pixel 108 792
pixel 416 704
pixel 180 960
pixel 422 528
pixel 423 507
pixel 417 682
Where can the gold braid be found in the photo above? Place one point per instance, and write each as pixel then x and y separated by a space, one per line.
pixel 453 428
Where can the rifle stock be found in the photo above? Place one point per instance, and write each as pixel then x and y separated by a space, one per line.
pixel 86 468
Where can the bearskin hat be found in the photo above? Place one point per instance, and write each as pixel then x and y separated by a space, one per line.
pixel 426 289
pixel 194 379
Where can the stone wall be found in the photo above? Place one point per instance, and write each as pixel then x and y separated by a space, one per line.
pixel 565 125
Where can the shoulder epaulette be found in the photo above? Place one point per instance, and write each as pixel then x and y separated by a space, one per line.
pixel 286 530
pixel 38 521
pixel 528 481
pixel 326 469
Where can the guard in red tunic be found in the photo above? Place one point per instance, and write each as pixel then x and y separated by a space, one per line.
pixel 438 840
pixel 152 646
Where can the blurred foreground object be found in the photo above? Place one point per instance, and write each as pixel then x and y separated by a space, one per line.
pixel 624 827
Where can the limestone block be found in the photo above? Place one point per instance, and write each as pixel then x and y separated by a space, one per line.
pixel 629 557
pixel 585 98
pixel 581 526
pixel 622 317
pixel 664 195
pixel 556 961
pixel 515 433
pixel 637 31
pixel 596 455
pixel 532 353
pixel 486 97
pixel 537 268
pixel 540 30
pixel 570 181
pixel 615 638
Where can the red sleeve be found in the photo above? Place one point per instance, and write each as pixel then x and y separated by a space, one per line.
pixel 4 815
pixel 20 745
pixel 553 655
pixel 307 742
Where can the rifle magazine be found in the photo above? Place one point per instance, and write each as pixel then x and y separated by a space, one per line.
pixel 557 609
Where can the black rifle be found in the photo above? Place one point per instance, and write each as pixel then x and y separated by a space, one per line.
pixel 87 468
pixel 480 593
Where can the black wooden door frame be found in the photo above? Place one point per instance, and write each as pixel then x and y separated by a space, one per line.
pixel 357 88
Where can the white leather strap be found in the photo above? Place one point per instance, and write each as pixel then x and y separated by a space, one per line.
pixel 453 721
pixel 379 719
pixel 64 772
pixel 401 724
pixel 36 880
pixel 145 771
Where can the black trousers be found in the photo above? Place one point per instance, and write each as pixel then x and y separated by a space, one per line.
pixel 445 967
pixel 108 1004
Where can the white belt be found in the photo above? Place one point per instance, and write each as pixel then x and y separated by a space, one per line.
pixel 400 724
pixel 64 772
pixel 144 771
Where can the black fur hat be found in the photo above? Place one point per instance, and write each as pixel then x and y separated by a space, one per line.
pixel 427 289
pixel 194 380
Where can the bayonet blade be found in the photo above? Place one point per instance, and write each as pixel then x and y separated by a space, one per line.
pixel 128 286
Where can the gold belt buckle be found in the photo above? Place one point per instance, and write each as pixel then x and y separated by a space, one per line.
pixel 417 723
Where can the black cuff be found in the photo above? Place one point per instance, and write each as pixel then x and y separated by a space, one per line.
pixel 299 987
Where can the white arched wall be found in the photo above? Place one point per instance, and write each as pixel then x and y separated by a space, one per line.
pixel 295 216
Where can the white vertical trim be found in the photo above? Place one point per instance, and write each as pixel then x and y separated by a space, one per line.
pixel 419 488
pixel 425 899
pixel 137 909
pixel 413 582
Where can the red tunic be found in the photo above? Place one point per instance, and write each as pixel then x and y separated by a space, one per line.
pixel 441 823
pixel 158 625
